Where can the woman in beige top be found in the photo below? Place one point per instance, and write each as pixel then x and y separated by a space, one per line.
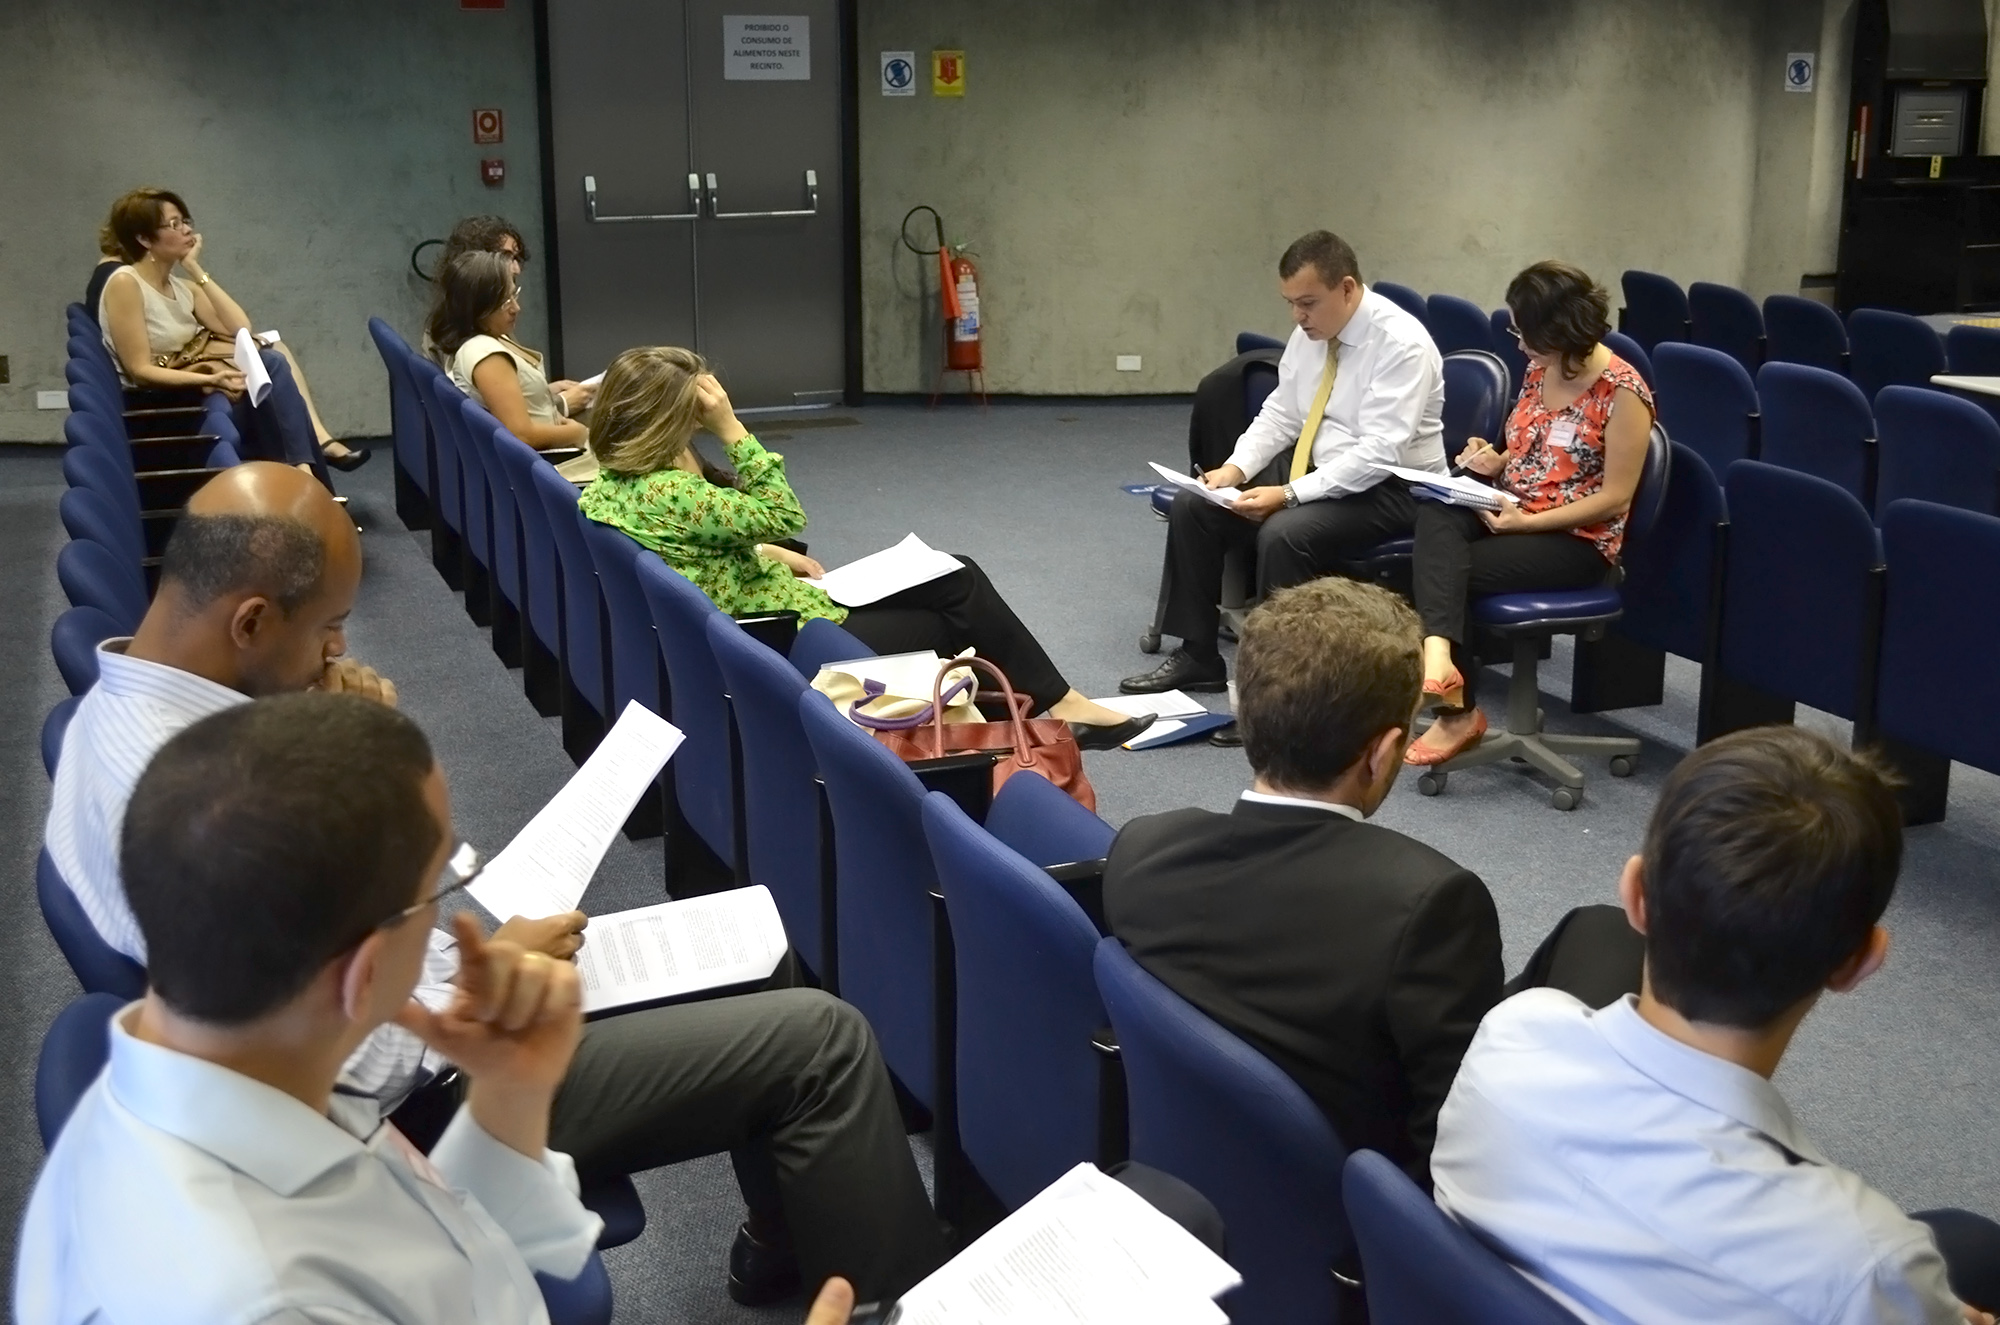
pixel 471 334
pixel 150 315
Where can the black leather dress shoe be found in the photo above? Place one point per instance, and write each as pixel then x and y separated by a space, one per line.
pixel 1181 671
pixel 1229 737
pixel 355 458
pixel 1090 737
pixel 760 1274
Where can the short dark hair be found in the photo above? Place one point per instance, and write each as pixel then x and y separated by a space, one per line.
pixel 212 555
pixel 1325 251
pixel 481 234
pixel 267 839
pixel 471 287
pixel 136 216
pixel 1559 310
pixel 1770 856
pixel 1323 669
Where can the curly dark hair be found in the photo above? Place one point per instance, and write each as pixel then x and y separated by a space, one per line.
pixel 1558 309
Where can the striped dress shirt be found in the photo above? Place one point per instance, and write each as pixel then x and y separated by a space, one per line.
pixel 135 708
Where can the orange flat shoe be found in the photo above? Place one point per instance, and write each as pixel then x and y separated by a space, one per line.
pixel 1423 756
pixel 1444 689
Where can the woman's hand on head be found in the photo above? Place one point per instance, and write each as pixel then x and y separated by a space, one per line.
pixel 717 414
pixel 192 258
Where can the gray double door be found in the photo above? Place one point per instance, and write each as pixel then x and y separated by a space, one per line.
pixel 697 209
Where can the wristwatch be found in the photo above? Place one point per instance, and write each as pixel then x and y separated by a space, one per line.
pixel 1291 497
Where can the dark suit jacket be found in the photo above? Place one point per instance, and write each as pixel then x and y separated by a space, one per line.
pixel 1358 960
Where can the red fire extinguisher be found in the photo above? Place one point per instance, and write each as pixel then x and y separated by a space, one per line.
pixel 958 288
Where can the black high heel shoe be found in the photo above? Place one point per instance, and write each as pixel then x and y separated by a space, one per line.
pixel 355 458
pixel 1090 737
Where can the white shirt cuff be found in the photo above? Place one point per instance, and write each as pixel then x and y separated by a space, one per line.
pixel 535 1203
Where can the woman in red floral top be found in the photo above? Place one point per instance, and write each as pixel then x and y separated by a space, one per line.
pixel 1574 447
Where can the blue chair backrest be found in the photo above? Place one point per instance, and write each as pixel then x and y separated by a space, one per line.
pixel 821 642
pixel 583 603
pixel 1259 381
pixel 1656 309
pixel 95 469
pixel 448 502
pixel 74 1051
pixel 408 427
pixel 1218 1115
pixel 780 801
pixel 91 426
pixel 1891 349
pixel 504 520
pixel 1406 299
pixel 99 967
pixel 1935 447
pixel 1459 324
pixel 1800 330
pixel 1044 823
pixel 1420 1267
pixel 1724 318
pixel 702 771
pixel 93 372
pixel 1707 402
pixel 87 513
pixel 1933 596
pixel 54 728
pixel 635 644
pixel 883 884
pixel 1509 350
pixel 1649 498
pixel 1631 352
pixel 92 575
pixel 1797 590
pixel 1669 587
pixel 1027 1008
pixel 540 570
pixel 1973 351
pixel 475 505
pixel 1477 395
pixel 224 455
pixel 1817 423
pixel 74 640
pixel 1247 341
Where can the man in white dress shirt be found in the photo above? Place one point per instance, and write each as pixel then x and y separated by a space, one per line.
pixel 255 590
pixel 1637 1161
pixel 1360 385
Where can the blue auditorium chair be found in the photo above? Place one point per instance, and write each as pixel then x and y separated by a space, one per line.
pixel 476 508
pixel 586 697
pixel 1724 318
pixel 1045 824
pixel 92 575
pixel 1247 341
pixel 1804 331
pixel 1029 1097
pixel 704 773
pixel 409 429
pixel 1817 423
pixel 1656 309
pixel 54 728
pixel 1971 351
pixel 1935 447
pixel 1891 349
pixel 99 967
pixel 541 577
pixel 503 527
pixel 91 514
pixel 1459 324
pixel 447 496
pixel 224 455
pixel 1633 353
pixel 821 642
pixel 74 640
pixel 1420 1267
pixel 636 643
pixel 1406 299
pixel 1218 1115
pixel 1708 402
pixel 1509 350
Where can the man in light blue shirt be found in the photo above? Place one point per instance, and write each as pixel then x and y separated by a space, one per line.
pixel 1636 1161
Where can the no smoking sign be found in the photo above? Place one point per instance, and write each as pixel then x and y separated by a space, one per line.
pixel 486 126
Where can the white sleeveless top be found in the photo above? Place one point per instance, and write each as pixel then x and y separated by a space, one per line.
pixel 527 368
pixel 170 323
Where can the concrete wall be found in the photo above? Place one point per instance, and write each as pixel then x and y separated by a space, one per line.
pixel 315 144
pixel 1128 172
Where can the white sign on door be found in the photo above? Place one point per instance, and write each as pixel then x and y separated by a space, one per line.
pixel 764 47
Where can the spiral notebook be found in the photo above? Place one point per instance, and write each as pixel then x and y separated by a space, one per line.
pixel 1449 488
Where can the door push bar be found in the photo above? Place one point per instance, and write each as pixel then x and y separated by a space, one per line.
pixel 810 209
pixel 694 197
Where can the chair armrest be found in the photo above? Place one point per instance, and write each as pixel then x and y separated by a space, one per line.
pixel 556 455
pixel 1114 1132
pixel 1083 880
pixel 967 779
pixel 774 630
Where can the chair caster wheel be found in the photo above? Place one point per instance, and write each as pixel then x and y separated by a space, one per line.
pixel 1149 642
pixel 1430 784
pixel 1622 766
pixel 1566 798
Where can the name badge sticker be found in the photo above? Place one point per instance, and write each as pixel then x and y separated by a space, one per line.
pixel 1562 435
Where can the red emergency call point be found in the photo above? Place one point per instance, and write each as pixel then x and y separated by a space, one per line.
pixel 493 171
pixel 487 127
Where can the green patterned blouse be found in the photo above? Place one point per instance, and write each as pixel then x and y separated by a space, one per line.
pixel 710 534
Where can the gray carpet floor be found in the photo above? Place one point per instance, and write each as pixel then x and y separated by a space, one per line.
pixel 1893 1080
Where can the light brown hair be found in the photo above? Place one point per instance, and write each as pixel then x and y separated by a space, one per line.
pixel 136 216
pixel 647 410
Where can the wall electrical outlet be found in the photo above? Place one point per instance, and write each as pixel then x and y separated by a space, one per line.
pixel 1128 363
pixel 52 400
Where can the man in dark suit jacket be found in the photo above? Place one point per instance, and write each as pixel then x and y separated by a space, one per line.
pixel 1357 959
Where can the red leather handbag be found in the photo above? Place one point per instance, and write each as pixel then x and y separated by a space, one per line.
pixel 1044 745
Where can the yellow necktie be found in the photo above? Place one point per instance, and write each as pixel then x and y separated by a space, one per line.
pixel 1303 452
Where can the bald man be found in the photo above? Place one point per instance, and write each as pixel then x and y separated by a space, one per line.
pixel 255 590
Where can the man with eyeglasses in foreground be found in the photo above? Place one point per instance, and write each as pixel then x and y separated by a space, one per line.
pixel 216 1170
pixel 254 594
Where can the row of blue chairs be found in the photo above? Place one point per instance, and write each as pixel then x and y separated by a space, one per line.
pixel 1458 325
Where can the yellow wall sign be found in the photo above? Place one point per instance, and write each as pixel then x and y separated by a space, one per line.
pixel 947 73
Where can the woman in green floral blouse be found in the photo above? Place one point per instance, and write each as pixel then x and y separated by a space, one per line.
pixel 722 534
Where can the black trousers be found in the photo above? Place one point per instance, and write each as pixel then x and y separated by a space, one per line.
pixel 1292 546
pixel 1458 557
pixel 961 610
pixel 1592 953
pixel 1970 1245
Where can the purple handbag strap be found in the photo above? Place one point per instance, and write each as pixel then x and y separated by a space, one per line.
pixel 875 691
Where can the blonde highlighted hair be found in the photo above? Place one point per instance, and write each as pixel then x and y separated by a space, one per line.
pixel 647 410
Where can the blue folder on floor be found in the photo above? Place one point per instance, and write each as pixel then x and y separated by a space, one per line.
pixel 1199 725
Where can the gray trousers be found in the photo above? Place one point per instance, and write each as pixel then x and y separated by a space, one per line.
pixel 791 1083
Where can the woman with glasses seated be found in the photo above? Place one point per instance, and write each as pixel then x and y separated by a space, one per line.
pixel 471 333
pixel 179 330
pixel 721 531
pixel 1574 447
